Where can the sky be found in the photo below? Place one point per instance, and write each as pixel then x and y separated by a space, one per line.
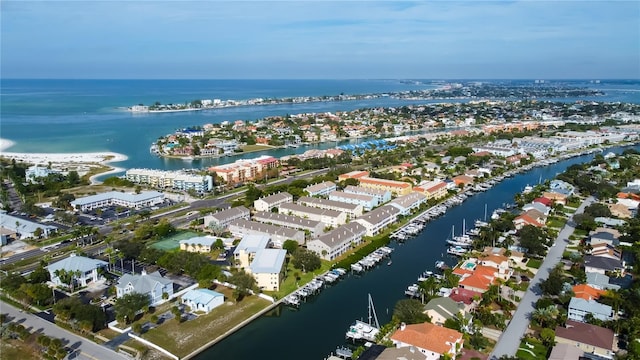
pixel 142 39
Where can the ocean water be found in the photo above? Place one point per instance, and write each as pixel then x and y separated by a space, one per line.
pixel 90 115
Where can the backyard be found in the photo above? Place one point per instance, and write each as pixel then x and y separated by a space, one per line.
pixel 532 349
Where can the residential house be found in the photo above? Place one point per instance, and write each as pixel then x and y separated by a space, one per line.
pixel 381 195
pixel 376 220
pixel 367 202
pixel 600 281
pixel 430 340
pixel 153 284
pixel 440 309
pixel 315 228
pixel 526 219
pixel 603 265
pixel 332 218
pixel 408 203
pixel 566 352
pixel 538 206
pixel 604 236
pixel 321 189
pixel 498 262
pixel 85 269
pixel 556 198
pixel 268 267
pixel 605 250
pixel 587 292
pixel 352 210
pixel 338 241
pixel 465 296
pixel 272 201
pixel 225 217
pixel 24 228
pixel 589 338
pixel 463 180
pixel 620 211
pixel 277 234
pixel 561 187
pixel 579 309
pixel 203 300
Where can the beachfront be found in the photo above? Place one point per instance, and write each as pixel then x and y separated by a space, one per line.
pixel 101 158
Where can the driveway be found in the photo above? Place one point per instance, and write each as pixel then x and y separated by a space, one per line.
pixel 510 340
pixel 83 349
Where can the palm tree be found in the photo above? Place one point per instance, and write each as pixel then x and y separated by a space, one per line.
pixel 545 316
pixel 429 288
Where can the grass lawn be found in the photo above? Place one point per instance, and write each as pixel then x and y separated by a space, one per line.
pixel 580 232
pixel 182 338
pixel 537 352
pixel 249 148
pixel 556 223
pixel 534 263
pixel 17 349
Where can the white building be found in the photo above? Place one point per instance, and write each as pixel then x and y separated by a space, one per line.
pixel 337 241
pixel 381 195
pixel 352 210
pixel 321 189
pixel 278 234
pixel 154 285
pixel 85 269
pixel 115 198
pixel 331 218
pixel 378 219
pixel 34 172
pixel 408 203
pixel 225 217
pixel 367 202
pixel 203 300
pixel 23 228
pixel 267 267
pixel 269 202
pixel 177 180
pixel 315 228
pixel 579 308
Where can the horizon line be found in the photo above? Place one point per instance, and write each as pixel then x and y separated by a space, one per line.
pixel 329 79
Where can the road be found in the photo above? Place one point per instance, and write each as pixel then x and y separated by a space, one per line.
pixel 82 348
pixel 510 340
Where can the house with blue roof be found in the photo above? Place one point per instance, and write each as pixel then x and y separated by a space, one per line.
pixel 203 300
pixel 579 309
pixel 85 270
pixel 248 247
pixel 153 284
pixel 268 268
pixel 23 228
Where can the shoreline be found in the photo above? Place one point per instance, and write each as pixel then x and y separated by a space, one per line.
pixel 102 158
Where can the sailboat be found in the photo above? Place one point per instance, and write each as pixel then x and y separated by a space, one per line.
pixel 462 240
pixel 366 331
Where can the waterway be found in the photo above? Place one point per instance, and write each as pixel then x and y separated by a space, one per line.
pixel 319 326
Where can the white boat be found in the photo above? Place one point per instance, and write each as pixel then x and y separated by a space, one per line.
pixel 361 330
pixel 457 250
pixel 356 267
pixel 412 290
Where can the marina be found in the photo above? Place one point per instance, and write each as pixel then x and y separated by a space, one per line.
pixel 385 283
pixel 366 331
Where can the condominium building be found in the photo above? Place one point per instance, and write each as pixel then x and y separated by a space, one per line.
pixel 408 203
pixel 269 202
pixel 278 234
pixel 245 170
pixel 352 210
pixel 331 218
pixel 378 219
pixel 367 202
pixel 397 188
pixel 225 217
pixel 381 195
pixel 337 241
pixel 435 189
pixel 117 198
pixel 315 228
pixel 176 180
pixel 321 189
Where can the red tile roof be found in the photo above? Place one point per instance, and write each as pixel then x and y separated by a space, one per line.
pixel 584 291
pixel 428 336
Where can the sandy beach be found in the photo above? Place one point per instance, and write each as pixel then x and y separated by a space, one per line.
pixel 64 158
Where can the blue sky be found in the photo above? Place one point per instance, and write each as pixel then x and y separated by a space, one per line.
pixel 320 39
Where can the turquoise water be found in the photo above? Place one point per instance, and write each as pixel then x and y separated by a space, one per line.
pixel 88 115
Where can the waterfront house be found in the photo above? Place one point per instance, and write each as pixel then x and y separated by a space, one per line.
pixel 247 248
pixel 85 269
pixel 328 217
pixel 579 309
pixel 561 187
pixel 34 172
pixel 589 338
pixel 278 234
pixel 321 189
pixel 381 195
pixel 377 220
pixel 352 210
pixel 526 219
pixel 463 180
pixel 367 202
pixel 153 284
pixel 203 300
pixel 225 217
pixel 556 198
pixel 408 203
pixel 338 241
pixel 498 262
pixel 440 309
pixel 542 210
pixel 315 228
pixel 268 267
pixel 145 199
pixel 430 340
pixel 272 201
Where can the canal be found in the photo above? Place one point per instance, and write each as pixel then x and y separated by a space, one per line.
pixel 319 325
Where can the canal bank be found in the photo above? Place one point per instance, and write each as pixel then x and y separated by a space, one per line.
pixel 314 330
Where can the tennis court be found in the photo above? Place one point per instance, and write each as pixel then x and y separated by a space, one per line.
pixel 173 241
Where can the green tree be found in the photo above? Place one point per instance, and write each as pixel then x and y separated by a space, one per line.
pixel 306 260
pixel 548 337
pixel 291 246
pixel 244 283
pixel 130 304
pixel 410 311
pixel 554 283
